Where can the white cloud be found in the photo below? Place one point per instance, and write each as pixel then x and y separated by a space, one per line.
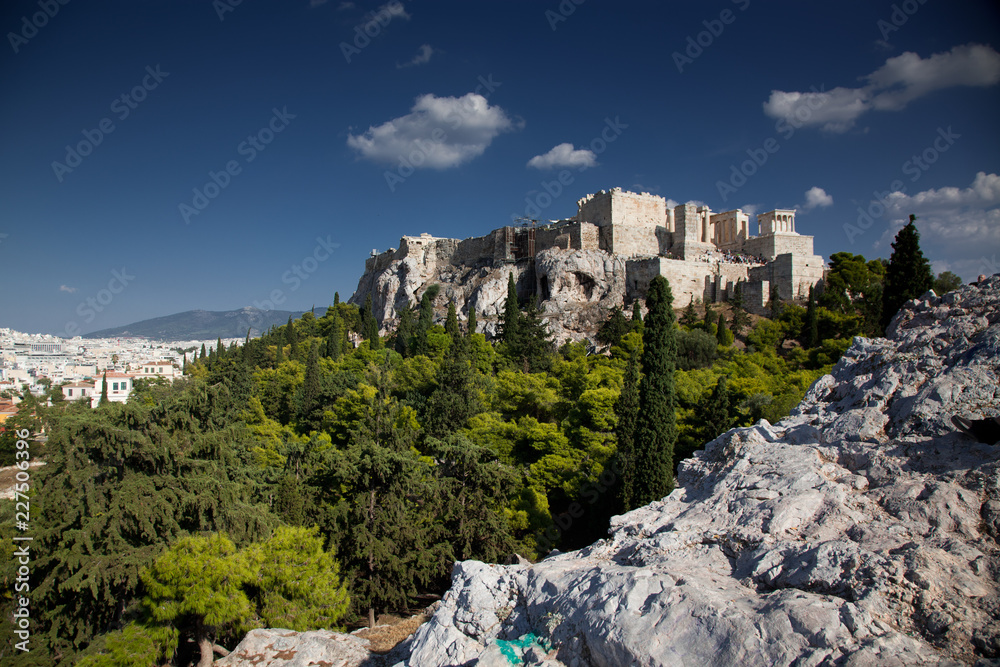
pixel 959 227
pixel 394 9
pixel 65 288
pixel 816 197
pixel 439 132
pixel 891 87
pixel 750 209
pixel 422 58
pixel 564 155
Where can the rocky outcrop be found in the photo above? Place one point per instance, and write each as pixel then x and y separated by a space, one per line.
pixel 285 648
pixel 861 530
pixel 575 288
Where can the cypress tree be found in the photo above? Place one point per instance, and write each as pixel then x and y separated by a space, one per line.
pixel 776 306
pixel 611 330
pixel 424 322
pixel 335 341
pixel 627 411
pixel 909 273
pixel 740 319
pixel 471 326
pixel 451 323
pixel 720 334
pixel 336 299
pixel 369 325
pixel 311 384
pixel 279 353
pixel 690 317
pixel 710 318
pixel 104 389
pixel 510 321
pixel 292 338
pixel 404 332
pixel 636 317
pixel 810 331
pixel 204 354
pixel 657 431
pixel 715 414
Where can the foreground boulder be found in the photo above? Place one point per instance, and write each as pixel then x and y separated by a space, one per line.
pixel 285 648
pixel 861 530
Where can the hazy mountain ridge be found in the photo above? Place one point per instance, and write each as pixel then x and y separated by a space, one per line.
pixel 201 324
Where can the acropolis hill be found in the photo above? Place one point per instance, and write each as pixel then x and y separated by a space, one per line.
pixel 604 256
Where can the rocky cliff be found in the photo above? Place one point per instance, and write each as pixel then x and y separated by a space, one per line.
pixel 578 286
pixel 861 530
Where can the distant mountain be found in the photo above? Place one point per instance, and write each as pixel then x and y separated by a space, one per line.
pixel 201 325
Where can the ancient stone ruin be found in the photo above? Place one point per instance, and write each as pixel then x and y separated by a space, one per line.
pixel 605 256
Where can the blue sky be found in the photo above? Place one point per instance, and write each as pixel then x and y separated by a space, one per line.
pixel 161 156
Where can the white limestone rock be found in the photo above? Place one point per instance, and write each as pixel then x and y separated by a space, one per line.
pixel 861 530
pixel 287 648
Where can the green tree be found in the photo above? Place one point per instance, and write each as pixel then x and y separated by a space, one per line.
pixel 292 339
pixel 690 317
pixel 197 585
pixel 775 304
pixel 810 329
pixel 104 389
pixel 451 323
pixel 657 432
pixel 627 412
pixel 740 319
pixel 636 317
pixel 335 340
pixel 709 319
pixel 310 393
pixel 696 349
pixel 722 333
pixel 612 329
pixel 535 351
pixel 946 282
pixel 908 275
pixel 510 320
pixel 716 413
pixel 472 324
pixel 404 332
pixel 369 325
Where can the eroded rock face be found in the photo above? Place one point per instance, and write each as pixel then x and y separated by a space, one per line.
pixel 861 530
pixel 576 288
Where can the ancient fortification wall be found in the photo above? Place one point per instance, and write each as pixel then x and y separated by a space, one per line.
pixel 703 254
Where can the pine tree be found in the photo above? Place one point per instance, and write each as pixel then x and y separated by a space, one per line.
pixel 535 351
pixel 810 330
pixel 472 324
pixel 611 330
pixel 279 352
pixel 721 334
pixel 627 412
pixel 424 322
pixel 909 273
pixel 657 431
